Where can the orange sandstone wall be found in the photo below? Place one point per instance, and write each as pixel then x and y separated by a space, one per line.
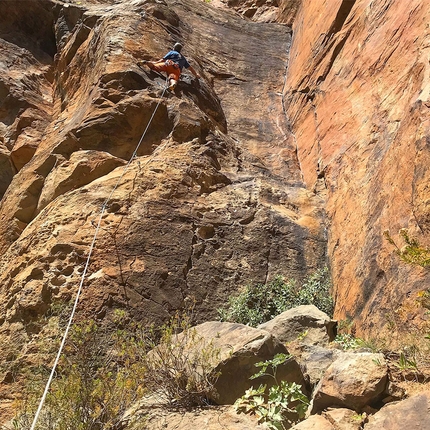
pixel 357 97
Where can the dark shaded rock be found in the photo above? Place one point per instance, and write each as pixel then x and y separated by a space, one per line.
pixel 6 170
pixel 240 348
pixel 314 360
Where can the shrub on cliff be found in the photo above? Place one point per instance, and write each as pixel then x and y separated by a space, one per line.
pixel 259 303
pixel 412 252
pixel 179 368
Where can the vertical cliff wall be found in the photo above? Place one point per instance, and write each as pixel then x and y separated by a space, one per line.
pixel 213 200
pixel 357 97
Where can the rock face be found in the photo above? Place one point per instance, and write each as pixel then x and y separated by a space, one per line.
pixel 213 199
pixel 357 96
pixel 197 206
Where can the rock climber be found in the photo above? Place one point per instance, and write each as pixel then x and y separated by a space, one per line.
pixel 172 63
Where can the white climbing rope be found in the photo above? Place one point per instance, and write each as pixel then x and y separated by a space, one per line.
pixel 103 209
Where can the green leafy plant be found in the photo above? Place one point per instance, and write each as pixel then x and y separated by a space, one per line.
pixel 406 363
pixel 411 252
pixel 348 341
pixel 279 407
pixel 423 297
pixel 261 302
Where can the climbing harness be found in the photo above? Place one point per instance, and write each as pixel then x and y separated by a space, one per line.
pixel 97 228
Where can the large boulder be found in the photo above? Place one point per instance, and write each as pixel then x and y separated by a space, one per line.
pixel 307 321
pixel 353 381
pixel 412 413
pixel 240 348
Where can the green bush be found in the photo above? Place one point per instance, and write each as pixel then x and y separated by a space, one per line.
pixel 262 302
pixel 412 252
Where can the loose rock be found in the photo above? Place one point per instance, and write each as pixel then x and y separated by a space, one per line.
pixel 412 413
pixel 353 381
pixel 307 321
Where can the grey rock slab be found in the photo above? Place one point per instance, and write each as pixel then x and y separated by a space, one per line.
pixel 314 360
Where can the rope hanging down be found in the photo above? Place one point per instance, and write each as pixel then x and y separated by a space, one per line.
pixel 103 209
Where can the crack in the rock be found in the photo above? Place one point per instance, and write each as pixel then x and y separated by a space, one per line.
pixel 333 57
pixel 341 17
pixel 189 264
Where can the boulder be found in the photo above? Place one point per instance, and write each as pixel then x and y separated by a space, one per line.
pixel 314 422
pixel 412 413
pixel 215 418
pixel 344 419
pixel 307 321
pixel 240 348
pixel 353 380
pixel 314 360
pixel 332 419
